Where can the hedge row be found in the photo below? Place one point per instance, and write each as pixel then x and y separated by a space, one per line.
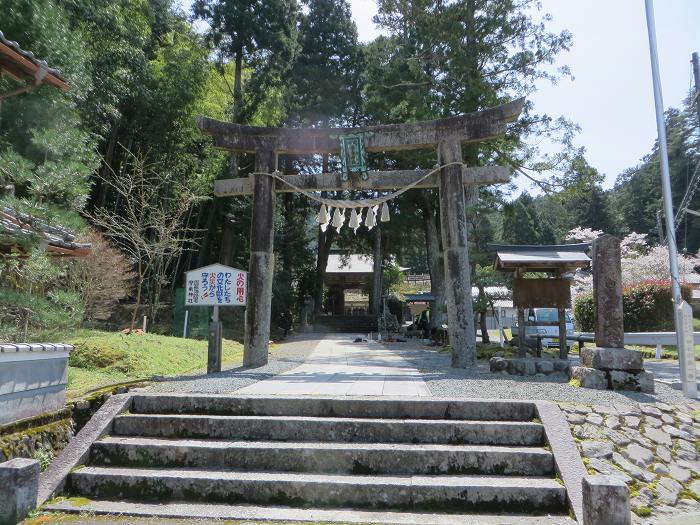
pixel 647 307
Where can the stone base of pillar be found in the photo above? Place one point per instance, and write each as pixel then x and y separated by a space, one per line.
pixel 612 358
pixel 636 381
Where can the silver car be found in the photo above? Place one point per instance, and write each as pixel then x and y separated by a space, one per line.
pixel 545 322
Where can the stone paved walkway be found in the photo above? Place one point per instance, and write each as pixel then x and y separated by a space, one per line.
pixel 340 367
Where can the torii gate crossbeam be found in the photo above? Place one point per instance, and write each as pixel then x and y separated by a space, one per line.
pixel 447 135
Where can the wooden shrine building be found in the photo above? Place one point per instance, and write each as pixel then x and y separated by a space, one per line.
pixel 559 262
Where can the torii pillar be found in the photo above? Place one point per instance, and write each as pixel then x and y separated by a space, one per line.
pixel 447 135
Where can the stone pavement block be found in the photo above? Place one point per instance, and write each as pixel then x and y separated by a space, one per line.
pixel 606 501
pixel 638 455
pixel 19 486
pixel 596 449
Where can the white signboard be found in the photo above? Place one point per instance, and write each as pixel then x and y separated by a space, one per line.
pixel 216 285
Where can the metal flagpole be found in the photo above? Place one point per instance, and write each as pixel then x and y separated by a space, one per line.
pixel 665 179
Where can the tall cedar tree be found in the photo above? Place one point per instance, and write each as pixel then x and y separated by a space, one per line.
pixel 326 92
pixel 446 58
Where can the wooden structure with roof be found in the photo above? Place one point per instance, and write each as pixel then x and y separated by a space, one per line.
pixel 58 241
pixel 554 291
pixel 23 66
pixel 15 226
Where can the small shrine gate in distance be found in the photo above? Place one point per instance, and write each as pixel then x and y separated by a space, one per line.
pixel 447 135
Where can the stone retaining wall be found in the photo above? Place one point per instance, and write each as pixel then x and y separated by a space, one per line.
pixel 41 437
pixel 530 366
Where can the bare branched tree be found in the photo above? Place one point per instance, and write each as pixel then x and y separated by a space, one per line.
pixel 148 224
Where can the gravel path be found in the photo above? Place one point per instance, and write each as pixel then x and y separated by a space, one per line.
pixel 444 381
pixel 287 355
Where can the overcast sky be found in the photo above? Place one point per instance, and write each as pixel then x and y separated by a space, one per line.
pixel 611 95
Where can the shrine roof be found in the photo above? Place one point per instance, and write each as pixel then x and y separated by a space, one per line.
pixel 541 258
pixel 23 65
pixel 354 263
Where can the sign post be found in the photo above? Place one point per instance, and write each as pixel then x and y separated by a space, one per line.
pixel 686 350
pixel 216 285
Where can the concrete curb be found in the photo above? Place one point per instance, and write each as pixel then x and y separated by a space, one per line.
pixel 567 459
pixel 53 479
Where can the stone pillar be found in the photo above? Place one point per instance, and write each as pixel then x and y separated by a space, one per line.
pixel 606 501
pixel 609 362
pixel 19 487
pixel 607 292
pixel 453 221
pixel 261 269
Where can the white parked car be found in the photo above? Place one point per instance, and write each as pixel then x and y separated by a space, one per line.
pixel 545 322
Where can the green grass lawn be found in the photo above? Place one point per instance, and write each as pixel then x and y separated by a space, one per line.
pixel 106 358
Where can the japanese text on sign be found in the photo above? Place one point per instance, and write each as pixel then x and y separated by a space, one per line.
pixel 216 285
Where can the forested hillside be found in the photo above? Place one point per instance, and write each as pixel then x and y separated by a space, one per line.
pixel 119 159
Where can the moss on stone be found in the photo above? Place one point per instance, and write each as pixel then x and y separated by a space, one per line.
pixel 642 511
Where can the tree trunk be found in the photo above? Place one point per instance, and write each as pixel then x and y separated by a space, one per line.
pixel 375 305
pixel 139 287
pixel 237 85
pixel 227 243
pixel 435 262
pixel 204 255
pixel 105 170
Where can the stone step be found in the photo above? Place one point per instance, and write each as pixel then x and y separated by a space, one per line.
pixel 357 430
pixel 214 512
pixel 317 406
pixel 337 458
pixel 447 493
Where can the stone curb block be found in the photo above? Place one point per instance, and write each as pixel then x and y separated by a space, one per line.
pixel 606 501
pixel 19 487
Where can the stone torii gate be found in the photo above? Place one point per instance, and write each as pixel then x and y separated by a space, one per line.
pixel 447 135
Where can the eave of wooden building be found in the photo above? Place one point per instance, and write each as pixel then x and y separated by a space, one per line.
pixel 23 66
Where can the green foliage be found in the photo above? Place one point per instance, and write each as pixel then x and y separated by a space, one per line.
pixel 637 193
pixel 45 318
pixel 45 457
pixel 647 307
pixel 260 35
pixel 642 511
pixel 325 75
pixel 522 224
pixel 45 152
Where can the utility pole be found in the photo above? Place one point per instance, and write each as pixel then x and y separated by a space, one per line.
pixel 696 76
pixel 682 315
pixel 663 157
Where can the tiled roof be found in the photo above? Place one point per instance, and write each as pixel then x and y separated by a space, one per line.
pixel 17 58
pixel 58 240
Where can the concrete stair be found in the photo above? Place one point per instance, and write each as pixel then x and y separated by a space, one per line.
pixel 323 455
